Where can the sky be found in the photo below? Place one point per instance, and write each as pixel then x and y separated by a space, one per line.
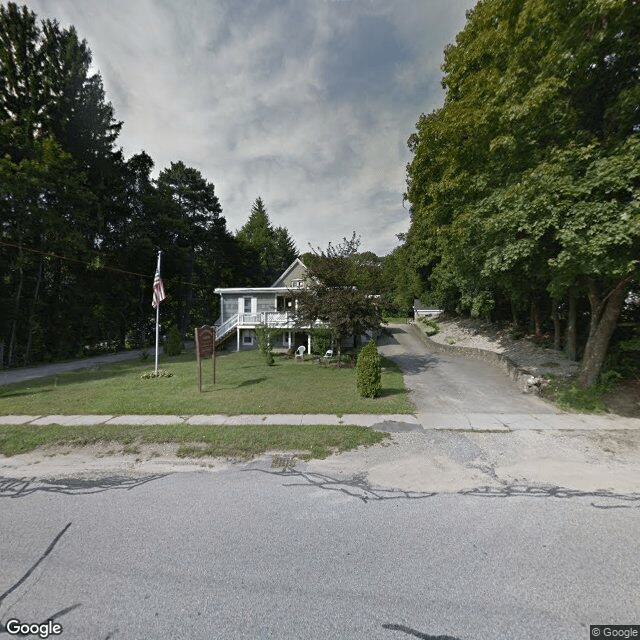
pixel 307 104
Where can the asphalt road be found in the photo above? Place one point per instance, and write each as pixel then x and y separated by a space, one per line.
pixel 257 553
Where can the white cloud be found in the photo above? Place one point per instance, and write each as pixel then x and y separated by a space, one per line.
pixel 305 103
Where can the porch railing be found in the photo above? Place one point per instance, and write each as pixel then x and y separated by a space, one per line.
pixel 270 318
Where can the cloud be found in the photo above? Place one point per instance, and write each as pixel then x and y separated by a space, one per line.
pixel 306 103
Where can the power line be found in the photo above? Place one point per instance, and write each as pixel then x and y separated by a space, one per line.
pixel 50 254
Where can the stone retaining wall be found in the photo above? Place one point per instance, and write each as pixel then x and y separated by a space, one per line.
pixel 527 382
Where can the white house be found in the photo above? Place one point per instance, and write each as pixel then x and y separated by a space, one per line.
pixel 243 308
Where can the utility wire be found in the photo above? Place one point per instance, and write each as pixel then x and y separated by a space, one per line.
pixel 49 254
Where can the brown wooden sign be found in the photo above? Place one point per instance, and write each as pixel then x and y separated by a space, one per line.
pixel 205 341
pixel 205 348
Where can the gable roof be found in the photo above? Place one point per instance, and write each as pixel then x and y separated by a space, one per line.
pixel 280 282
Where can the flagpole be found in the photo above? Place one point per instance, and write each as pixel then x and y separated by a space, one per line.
pixel 157 319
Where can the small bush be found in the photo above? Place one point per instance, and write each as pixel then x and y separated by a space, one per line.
pixel 174 346
pixel 369 371
pixel 320 340
pixel 430 326
pixel 265 336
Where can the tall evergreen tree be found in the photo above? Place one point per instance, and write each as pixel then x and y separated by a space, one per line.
pixel 274 247
pixel 191 222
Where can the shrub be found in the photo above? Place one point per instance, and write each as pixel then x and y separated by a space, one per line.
pixel 320 340
pixel 265 336
pixel 173 346
pixel 430 326
pixel 369 371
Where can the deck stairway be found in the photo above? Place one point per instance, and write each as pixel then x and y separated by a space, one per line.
pixel 281 320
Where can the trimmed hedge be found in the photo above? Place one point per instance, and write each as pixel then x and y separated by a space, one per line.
pixel 369 371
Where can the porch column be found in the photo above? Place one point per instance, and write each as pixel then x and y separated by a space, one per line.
pixel 289 337
pixel 238 338
pixel 308 343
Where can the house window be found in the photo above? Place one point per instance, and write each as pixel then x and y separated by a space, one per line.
pixel 247 339
pixel 247 305
pixel 297 284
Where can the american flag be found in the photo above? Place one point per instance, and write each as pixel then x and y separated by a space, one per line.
pixel 158 290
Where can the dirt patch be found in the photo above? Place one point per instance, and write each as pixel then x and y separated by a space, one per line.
pixel 624 400
pixel 58 461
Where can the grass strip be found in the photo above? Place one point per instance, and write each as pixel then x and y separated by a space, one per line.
pixel 238 442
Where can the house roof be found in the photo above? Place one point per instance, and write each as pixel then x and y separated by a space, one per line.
pixel 276 287
pixel 251 290
pixel 287 271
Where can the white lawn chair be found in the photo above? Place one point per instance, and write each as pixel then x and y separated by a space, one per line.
pixel 300 353
pixel 327 356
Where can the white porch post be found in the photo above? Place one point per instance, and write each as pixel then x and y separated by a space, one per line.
pixel 308 343
pixel 221 309
pixel 238 338
pixel 289 336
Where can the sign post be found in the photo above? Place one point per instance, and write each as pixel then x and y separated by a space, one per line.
pixel 205 348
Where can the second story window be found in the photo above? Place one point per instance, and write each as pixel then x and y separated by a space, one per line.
pixel 247 305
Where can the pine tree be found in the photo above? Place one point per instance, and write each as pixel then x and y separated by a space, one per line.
pixel 274 247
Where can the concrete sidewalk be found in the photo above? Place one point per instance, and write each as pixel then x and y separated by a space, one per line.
pixel 499 422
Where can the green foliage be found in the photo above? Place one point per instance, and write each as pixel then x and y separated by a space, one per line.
pixel 369 371
pixel 526 182
pixel 430 326
pixel 571 397
pixel 265 336
pixel 273 247
pixel 320 340
pixel 342 291
pixel 174 344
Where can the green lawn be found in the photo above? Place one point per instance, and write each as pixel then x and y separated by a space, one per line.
pixel 244 384
pixel 242 442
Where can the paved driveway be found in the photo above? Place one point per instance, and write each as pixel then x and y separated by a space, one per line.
pixel 444 384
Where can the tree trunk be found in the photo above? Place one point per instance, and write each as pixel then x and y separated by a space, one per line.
pixel 556 324
pixel 570 344
pixel 604 317
pixel 32 315
pixel 514 314
pixel 537 320
pixel 16 312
